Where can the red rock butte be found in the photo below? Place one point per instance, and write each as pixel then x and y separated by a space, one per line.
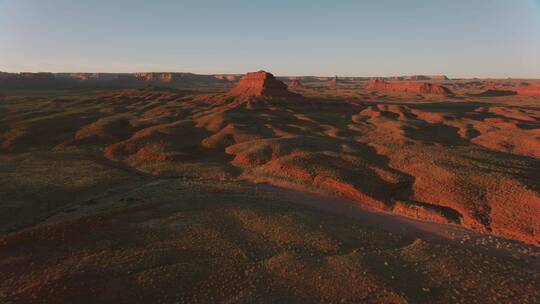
pixel 379 83
pixel 295 83
pixel 261 84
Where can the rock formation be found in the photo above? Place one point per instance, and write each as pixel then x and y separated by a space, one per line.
pixel 156 77
pixel 226 77
pixel 295 84
pixel 70 80
pixel 379 84
pixel 168 77
pixel 439 77
pixel 419 78
pixel 261 84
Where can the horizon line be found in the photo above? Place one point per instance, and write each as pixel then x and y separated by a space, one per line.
pixel 277 75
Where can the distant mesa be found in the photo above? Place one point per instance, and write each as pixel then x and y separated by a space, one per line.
pixel 227 77
pixel 24 80
pixel 380 84
pixel 439 77
pixel 155 77
pixel 419 78
pixel 261 84
pixel 72 80
pixel 171 78
pixel 295 84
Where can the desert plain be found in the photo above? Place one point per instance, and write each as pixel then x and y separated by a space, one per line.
pixel 184 188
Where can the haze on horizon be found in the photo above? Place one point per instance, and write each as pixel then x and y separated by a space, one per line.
pixel 483 38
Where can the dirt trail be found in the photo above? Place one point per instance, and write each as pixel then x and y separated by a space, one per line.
pixel 405 226
pixel 348 208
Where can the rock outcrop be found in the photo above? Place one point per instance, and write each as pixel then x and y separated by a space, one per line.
pixel 379 84
pixel 295 84
pixel 226 77
pixel 261 84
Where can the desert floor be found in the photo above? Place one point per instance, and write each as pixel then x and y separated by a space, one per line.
pixel 344 195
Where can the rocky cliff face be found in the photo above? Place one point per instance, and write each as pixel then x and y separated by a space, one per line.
pixel 156 77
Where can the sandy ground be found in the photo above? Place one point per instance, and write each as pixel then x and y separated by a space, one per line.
pixel 200 241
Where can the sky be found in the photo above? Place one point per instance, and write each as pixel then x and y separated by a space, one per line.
pixel 459 38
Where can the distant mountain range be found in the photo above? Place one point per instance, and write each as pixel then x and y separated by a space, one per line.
pixel 68 80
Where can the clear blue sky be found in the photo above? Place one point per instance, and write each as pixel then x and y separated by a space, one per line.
pixel 460 38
